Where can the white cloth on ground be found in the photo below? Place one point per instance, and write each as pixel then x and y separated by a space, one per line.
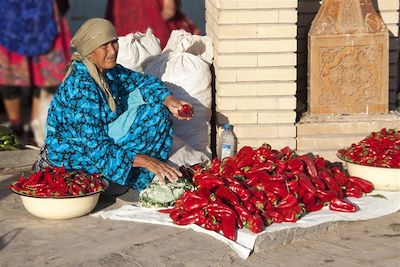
pixel 370 207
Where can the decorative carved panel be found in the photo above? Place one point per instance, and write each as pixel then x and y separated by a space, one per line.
pixel 348 59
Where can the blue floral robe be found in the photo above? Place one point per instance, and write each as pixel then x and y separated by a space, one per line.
pixel 78 118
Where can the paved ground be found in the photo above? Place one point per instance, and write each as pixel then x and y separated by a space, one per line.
pixel 87 241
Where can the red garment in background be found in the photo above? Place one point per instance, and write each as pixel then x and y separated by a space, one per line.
pixel 137 15
pixel 46 70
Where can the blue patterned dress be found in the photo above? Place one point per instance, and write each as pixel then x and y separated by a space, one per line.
pixel 77 126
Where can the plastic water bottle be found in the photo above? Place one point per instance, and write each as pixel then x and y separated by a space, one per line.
pixel 226 142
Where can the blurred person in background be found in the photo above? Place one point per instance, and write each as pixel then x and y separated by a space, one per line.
pixel 34 50
pixel 162 16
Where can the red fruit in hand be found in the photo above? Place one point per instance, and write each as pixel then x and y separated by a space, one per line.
pixel 186 111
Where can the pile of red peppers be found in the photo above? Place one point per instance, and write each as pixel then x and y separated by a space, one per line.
pixel 379 149
pixel 58 182
pixel 258 187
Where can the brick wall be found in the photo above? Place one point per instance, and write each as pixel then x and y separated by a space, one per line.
pixel 255 66
pixel 261 75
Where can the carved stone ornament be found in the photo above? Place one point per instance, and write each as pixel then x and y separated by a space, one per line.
pixel 348 51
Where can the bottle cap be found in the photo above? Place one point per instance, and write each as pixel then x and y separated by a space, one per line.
pixel 227 126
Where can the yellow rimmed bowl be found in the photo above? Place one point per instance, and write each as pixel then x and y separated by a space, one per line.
pixel 60 208
pixel 384 179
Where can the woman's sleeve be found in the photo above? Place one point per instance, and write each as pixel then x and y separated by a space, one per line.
pixel 109 159
pixel 151 88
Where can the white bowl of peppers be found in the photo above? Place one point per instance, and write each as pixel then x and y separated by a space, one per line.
pixel 375 158
pixel 56 193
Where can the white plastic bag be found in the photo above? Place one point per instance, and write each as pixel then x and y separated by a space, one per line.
pixel 136 48
pixel 188 76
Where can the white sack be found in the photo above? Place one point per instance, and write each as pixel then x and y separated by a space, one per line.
pixel 184 155
pixel 182 41
pixel 188 76
pixel 136 48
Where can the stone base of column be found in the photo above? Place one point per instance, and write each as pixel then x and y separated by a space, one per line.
pixel 325 134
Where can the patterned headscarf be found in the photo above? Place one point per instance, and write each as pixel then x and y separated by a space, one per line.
pixel 92 34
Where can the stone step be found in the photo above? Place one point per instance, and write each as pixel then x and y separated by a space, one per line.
pixel 18 158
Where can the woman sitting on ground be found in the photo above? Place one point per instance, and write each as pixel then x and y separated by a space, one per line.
pixel 107 119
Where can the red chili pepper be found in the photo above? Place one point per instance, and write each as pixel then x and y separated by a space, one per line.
pixel 48 178
pixel 293 185
pixel 33 179
pixel 258 204
pixel 294 164
pixel 268 166
pixel 365 185
pixel 310 207
pixel 271 197
pixel 319 184
pixel 271 216
pixel 210 182
pixel 319 163
pixel 212 224
pixel 280 166
pixel 291 214
pixel 278 188
pixel 243 213
pixel 186 111
pixel 214 167
pixel 251 179
pixel 167 211
pixel 255 223
pixel 305 182
pixel 203 193
pixel 228 195
pixel 244 157
pixel 338 204
pixel 228 227
pixel 194 204
pixel 330 181
pixel 264 177
pixel 264 153
pixel 326 195
pixel 196 217
pixel 341 178
pixel 220 209
pixel 240 191
pixel 288 201
pixel 353 190
pixel 310 166
pixel 249 206
pixel 231 180
pixel 176 214
pixel 286 153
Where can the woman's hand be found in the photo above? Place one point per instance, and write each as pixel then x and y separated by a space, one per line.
pixel 161 169
pixel 175 105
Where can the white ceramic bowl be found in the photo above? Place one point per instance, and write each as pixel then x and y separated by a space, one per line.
pixel 385 179
pixel 60 208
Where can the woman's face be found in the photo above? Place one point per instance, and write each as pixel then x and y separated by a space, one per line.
pixel 105 56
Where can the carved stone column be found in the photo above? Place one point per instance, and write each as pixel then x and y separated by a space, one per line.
pixel 348 51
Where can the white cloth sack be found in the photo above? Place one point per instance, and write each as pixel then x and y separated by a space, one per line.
pixel 135 49
pixel 184 67
pixel 369 207
pixel 183 154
